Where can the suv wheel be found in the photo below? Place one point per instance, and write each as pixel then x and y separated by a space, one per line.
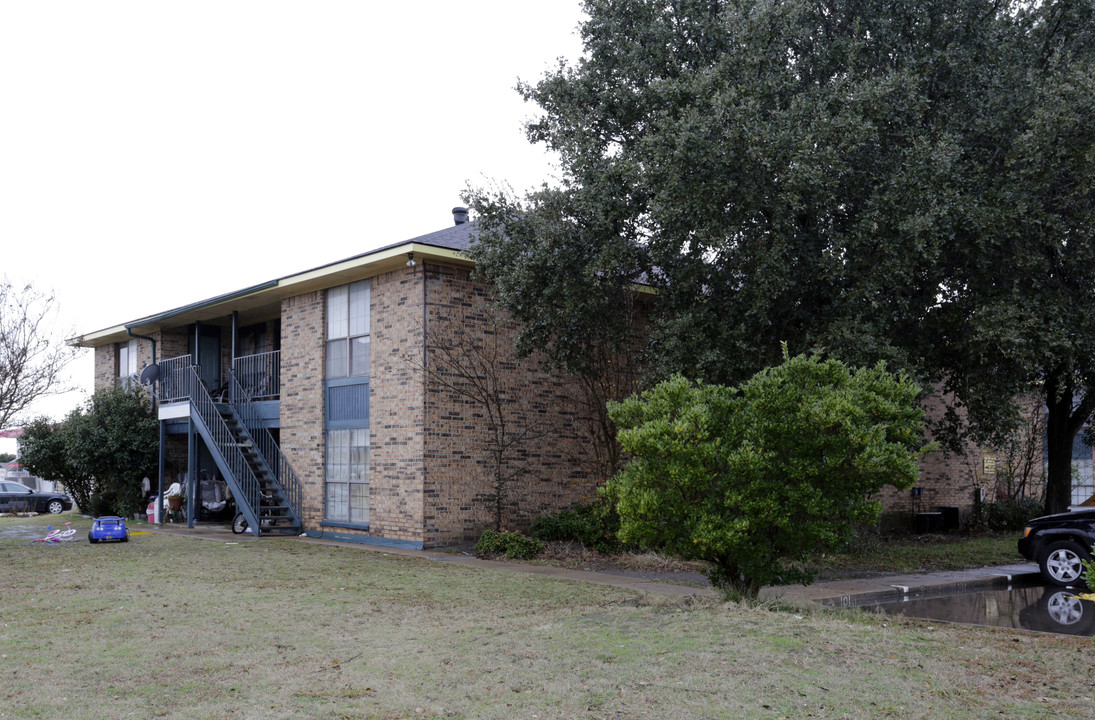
pixel 1062 562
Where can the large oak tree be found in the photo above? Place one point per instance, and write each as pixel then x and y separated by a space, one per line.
pixel 900 181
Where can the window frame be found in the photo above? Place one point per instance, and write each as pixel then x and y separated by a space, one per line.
pixel 126 356
pixel 347 324
pixel 344 324
pixel 346 479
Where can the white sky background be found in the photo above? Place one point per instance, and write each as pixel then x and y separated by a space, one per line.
pixel 153 154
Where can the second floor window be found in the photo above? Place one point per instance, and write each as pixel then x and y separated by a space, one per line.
pixel 348 330
pixel 127 359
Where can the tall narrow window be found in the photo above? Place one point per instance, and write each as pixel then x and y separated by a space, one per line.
pixel 348 330
pixel 348 476
pixel 347 405
pixel 127 360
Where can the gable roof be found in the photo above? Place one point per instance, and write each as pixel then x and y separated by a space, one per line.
pixel 258 300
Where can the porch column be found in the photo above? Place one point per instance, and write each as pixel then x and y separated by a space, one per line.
pixel 158 514
pixel 191 464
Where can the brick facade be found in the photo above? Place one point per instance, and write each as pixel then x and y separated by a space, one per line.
pixel 947 479
pixel 430 467
pixel 302 344
pixel 396 392
pixel 172 343
pixel 432 471
pixel 106 365
pixel 541 475
pixel 106 361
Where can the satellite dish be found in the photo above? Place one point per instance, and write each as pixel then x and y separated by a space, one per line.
pixel 149 374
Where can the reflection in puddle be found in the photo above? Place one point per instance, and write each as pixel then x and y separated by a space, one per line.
pixel 1044 609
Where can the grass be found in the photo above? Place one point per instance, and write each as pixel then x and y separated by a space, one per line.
pixel 872 555
pixel 173 627
pixel 929 553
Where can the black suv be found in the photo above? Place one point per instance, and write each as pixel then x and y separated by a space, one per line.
pixel 1060 544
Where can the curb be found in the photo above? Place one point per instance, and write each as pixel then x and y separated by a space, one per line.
pixel 898 591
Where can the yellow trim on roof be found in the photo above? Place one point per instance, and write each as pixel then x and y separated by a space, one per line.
pixel 320 278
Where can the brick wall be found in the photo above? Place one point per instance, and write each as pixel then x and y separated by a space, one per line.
pixel 396 471
pixel 303 331
pixel 431 470
pixel 946 479
pixel 106 361
pixel 169 344
pixel 430 487
pixel 172 343
pixel 106 365
pixel 460 486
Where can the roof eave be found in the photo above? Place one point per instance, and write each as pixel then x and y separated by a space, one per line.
pixel 343 271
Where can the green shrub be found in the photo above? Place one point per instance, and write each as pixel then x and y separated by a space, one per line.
pixel 594 526
pixel 101 451
pixel 1008 515
pixel 103 504
pixel 866 540
pixel 754 479
pixel 513 545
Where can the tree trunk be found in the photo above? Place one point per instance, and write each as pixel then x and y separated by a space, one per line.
pixel 1059 451
pixel 1063 421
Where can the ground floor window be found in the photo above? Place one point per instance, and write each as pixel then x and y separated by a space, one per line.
pixel 348 476
pixel 1083 486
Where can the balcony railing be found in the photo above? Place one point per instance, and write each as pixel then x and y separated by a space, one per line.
pixel 259 376
pixel 174 379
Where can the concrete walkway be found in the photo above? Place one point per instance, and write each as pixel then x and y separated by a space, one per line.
pixel 838 592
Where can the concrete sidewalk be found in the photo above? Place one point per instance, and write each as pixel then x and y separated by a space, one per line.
pixel 848 593
pixel 838 592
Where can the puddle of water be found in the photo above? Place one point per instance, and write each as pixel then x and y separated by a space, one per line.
pixel 24 532
pixel 1032 607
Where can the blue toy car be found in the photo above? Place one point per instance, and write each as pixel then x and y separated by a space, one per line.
pixel 108 528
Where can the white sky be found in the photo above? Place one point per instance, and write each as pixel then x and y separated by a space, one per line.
pixel 153 154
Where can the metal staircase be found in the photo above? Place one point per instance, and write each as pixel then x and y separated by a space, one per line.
pixel 246 455
pixel 273 462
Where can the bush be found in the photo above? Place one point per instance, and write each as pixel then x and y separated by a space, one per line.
pixel 594 526
pixel 513 545
pixel 103 504
pixel 865 540
pixel 1008 515
pixel 101 452
pixel 754 479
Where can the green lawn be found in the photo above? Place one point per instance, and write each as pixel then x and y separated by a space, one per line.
pixel 930 553
pixel 871 557
pixel 175 627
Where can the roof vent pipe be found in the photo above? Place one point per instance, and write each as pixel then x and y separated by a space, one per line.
pixel 460 215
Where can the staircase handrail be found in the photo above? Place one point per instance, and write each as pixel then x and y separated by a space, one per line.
pixel 275 459
pixel 248 491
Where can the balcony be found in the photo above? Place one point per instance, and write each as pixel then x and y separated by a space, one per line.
pixel 259 376
pixel 258 379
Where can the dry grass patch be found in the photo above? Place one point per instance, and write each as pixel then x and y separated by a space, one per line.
pixel 172 627
pixel 575 555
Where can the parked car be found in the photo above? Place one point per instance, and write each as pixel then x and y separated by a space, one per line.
pixel 1060 544
pixel 16 497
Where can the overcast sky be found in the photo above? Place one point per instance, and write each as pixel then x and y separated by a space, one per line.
pixel 153 154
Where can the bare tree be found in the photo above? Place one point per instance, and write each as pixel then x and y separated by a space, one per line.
pixel 613 375
pixel 475 361
pixel 32 354
pixel 1022 474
